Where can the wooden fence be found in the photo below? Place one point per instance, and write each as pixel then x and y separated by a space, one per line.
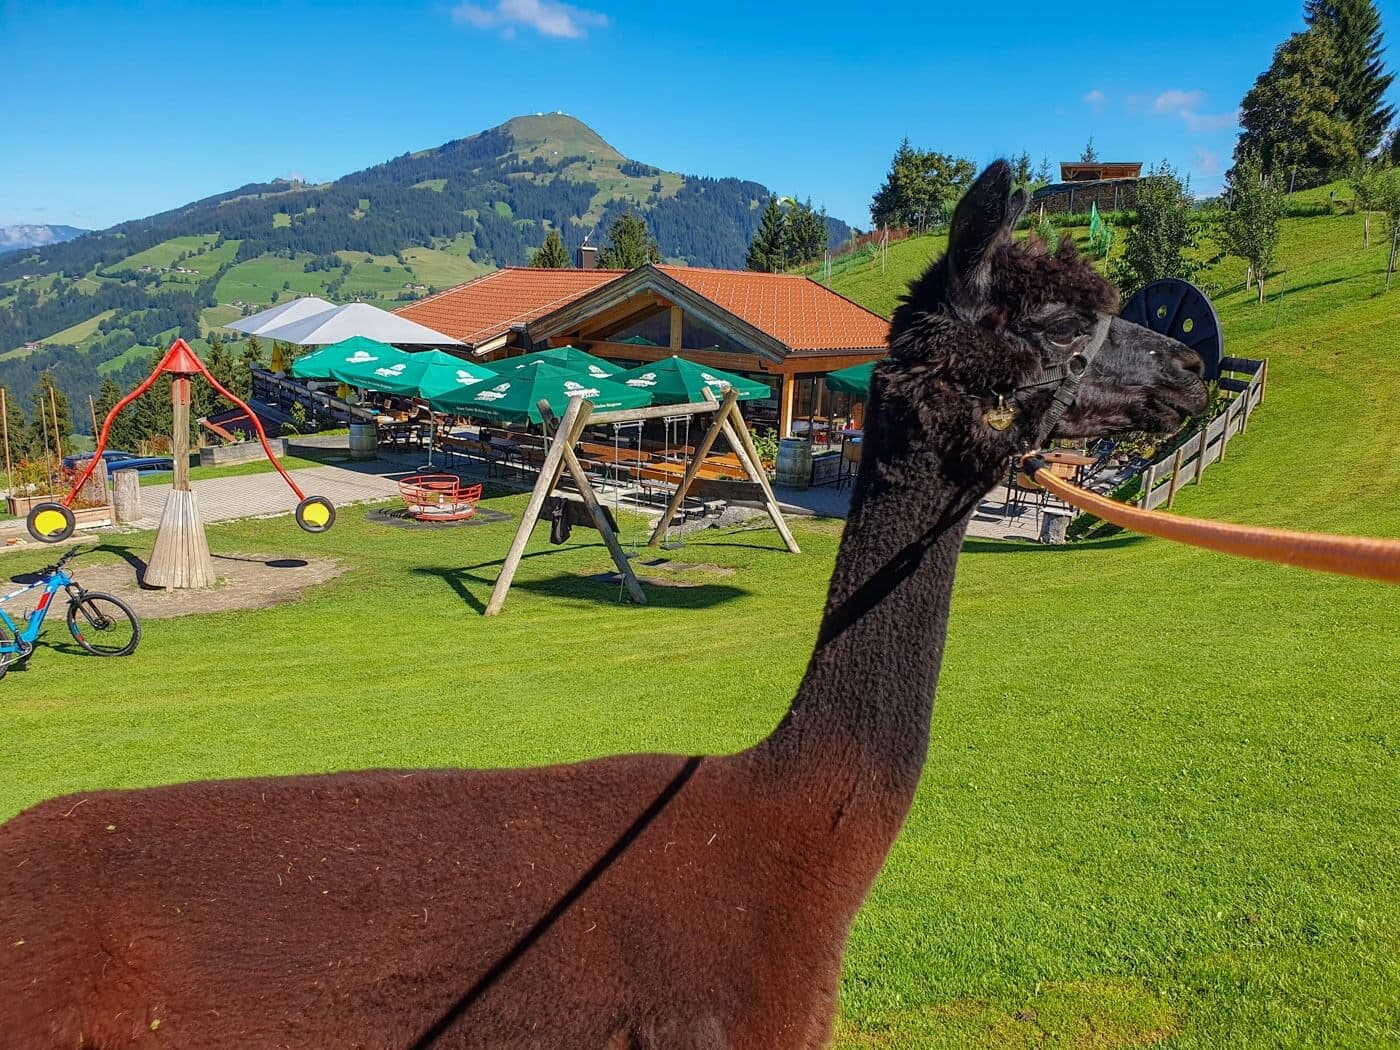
pixel 275 389
pixel 1241 376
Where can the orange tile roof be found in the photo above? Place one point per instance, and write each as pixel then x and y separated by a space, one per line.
pixel 490 305
pixel 795 310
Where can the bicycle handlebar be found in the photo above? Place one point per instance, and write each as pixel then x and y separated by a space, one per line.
pixel 73 553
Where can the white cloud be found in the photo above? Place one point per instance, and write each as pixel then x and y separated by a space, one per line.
pixel 546 17
pixel 1096 100
pixel 1201 122
pixel 1175 101
pixel 1207 161
pixel 1186 106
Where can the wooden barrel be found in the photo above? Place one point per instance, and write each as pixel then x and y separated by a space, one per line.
pixel 794 467
pixel 364 441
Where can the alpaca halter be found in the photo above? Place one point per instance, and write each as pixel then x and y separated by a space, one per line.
pixel 1068 375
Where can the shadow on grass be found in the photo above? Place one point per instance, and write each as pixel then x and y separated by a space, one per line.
pixel 473 587
pixel 984 546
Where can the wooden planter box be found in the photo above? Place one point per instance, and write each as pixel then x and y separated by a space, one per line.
pixel 86 517
pixel 242 452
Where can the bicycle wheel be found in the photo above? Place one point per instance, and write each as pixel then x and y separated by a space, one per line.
pixel 9 652
pixel 103 625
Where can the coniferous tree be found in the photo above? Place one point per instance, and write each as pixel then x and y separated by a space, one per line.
pixel 806 233
pixel 766 250
pixel 1021 169
pixel 1251 225
pixel 1089 155
pixel 551 255
pixel 630 244
pixel 1157 242
pixel 1357 73
pixel 1290 119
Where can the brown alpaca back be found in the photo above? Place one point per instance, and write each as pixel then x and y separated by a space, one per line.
pixel 353 910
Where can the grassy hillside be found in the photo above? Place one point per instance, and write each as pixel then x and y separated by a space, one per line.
pixel 392 233
pixel 1162 803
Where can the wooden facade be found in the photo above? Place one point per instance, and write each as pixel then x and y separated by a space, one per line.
pixel 648 316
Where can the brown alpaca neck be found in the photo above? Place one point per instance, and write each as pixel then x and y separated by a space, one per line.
pixel 859 723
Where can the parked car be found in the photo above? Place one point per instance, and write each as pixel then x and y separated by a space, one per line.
pixel 118 460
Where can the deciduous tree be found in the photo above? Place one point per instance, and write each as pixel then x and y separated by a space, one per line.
pixel 1290 119
pixel 920 187
pixel 1250 227
pixel 1157 242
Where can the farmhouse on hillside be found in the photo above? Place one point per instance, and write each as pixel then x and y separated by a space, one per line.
pixel 783 330
pixel 1112 185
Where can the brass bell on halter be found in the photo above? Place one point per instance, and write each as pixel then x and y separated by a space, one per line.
pixel 1000 417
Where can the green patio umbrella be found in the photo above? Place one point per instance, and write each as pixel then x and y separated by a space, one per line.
pixel 676 381
pixel 361 362
pixel 854 380
pixel 514 397
pixel 570 358
pixel 446 375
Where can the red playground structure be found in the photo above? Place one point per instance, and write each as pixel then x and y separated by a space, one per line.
pixel 52 522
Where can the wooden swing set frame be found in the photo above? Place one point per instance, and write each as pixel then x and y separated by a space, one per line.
pixel 561 457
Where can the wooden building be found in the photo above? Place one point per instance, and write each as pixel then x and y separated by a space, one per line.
pixel 1111 185
pixel 784 330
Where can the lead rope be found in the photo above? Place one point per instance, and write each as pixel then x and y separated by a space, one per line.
pixel 1365 557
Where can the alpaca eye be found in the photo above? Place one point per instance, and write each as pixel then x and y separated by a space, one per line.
pixel 1062 333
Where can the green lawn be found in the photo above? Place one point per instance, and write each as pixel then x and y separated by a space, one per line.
pixel 1162 803
pixel 254 281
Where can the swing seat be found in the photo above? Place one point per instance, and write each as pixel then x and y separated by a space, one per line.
pixel 439 497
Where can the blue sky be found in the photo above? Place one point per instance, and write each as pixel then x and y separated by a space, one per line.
pixel 117 110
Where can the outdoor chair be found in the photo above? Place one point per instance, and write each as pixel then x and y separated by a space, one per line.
pixel 850 464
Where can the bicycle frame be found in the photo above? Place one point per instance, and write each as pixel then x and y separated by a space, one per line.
pixel 52 584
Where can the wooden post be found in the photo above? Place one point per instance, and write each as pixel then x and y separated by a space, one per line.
pixel 677 324
pixel 5 424
pixel 92 410
pixel 126 496
pixel 575 417
pixel 1175 481
pixel 748 455
pixel 181 555
pixel 53 407
pixel 1201 452
pixel 693 467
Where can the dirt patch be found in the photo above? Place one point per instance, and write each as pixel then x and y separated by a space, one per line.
pixel 1101 1014
pixel 246 581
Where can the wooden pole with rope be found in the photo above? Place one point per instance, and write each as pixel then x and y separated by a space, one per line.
pixel 5 426
pixel 57 438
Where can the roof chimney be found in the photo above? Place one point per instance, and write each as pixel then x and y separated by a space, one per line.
pixel 586 257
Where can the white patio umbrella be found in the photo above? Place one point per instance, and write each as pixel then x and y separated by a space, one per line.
pixel 360 319
pixel 284 313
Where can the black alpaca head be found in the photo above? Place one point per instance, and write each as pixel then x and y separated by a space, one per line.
pixel 995 322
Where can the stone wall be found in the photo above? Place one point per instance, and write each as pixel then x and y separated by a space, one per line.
pixel 1078 197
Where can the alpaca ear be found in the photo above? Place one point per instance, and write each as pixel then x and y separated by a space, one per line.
pixel 985 216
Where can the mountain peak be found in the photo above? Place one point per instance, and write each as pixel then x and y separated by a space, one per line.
pixel 552 135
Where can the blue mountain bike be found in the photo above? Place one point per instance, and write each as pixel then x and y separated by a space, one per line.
pixel 102 624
